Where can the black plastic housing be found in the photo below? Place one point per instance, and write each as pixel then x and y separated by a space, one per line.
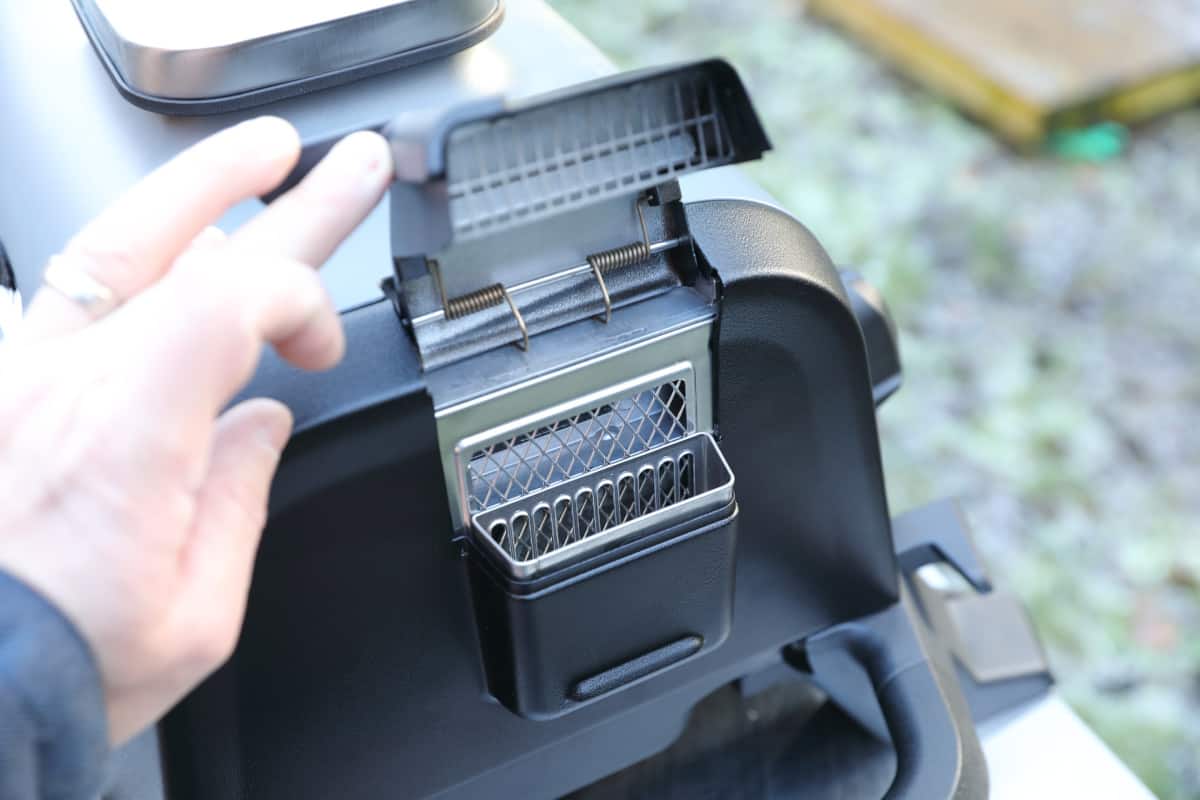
pixel 562 640
pixel 360 668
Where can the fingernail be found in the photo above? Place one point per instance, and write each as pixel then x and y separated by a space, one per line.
pixel 272 138
pixel 275 426
pixel 363 157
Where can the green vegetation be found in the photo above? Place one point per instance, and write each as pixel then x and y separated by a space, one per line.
pixel 1049 332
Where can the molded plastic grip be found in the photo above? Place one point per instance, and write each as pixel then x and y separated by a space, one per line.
pixel 636 668
pixel 920 708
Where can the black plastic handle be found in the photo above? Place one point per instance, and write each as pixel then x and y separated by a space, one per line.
pixel 937 749
pixel 311 154
pixel 885 672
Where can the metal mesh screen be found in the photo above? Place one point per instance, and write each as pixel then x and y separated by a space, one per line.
pixel 539 162
pixel 589 440
pixel 525 536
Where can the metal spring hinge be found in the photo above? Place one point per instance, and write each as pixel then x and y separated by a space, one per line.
pixel 617 257
pixel 600 263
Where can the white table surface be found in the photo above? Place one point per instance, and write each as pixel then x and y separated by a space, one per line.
pixel 1043 750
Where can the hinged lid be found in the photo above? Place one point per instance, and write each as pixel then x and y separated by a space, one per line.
pixel 509 220
pixel 531 216
pixel 490 167
pixel 212 56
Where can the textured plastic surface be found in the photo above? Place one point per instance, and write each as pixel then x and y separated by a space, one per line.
pixel 879 332
pixel 544 639
pixel 795 410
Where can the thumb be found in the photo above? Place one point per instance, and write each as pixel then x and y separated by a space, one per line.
pixel 231 509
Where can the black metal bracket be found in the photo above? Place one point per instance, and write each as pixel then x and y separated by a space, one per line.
pixel 938 533
pixel 995 650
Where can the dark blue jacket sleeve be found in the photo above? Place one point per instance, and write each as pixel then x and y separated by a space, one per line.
pixel 53 727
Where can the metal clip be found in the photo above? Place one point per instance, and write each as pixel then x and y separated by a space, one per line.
pixel 626 256
pixel 478 300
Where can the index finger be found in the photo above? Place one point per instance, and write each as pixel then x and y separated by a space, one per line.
pixel 133 242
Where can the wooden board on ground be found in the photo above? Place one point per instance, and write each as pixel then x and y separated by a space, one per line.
pixel 1031 67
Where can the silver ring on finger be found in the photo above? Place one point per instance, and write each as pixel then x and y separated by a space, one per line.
pixel 65 277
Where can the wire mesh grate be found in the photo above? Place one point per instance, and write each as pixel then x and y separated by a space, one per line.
pixel 660 490
pixel 529 165
pixel 595 438
pixel 583 516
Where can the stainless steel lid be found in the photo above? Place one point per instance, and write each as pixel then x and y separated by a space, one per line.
pixel 211 56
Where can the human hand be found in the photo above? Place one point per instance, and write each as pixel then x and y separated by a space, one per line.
pixel 131 500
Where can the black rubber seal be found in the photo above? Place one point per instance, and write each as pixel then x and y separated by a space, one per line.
pixel 269 94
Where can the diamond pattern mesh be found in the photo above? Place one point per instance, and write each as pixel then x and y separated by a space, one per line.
pixel 536 459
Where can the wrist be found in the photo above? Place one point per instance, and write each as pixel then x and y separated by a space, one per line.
pixel 51 683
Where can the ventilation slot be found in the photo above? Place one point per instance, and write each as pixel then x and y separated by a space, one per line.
pixel 534 163
pixel 671 484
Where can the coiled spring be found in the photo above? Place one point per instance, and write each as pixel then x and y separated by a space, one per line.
pixel 618 257
pixel 477 300
pixel 602 262
pixel 626 256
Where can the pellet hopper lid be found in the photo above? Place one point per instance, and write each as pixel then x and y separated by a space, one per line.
pixel 212 56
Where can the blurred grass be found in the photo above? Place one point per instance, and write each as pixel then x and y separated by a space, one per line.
pixel 1048 327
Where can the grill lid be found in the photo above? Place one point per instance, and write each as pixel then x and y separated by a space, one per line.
pixel 213 56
